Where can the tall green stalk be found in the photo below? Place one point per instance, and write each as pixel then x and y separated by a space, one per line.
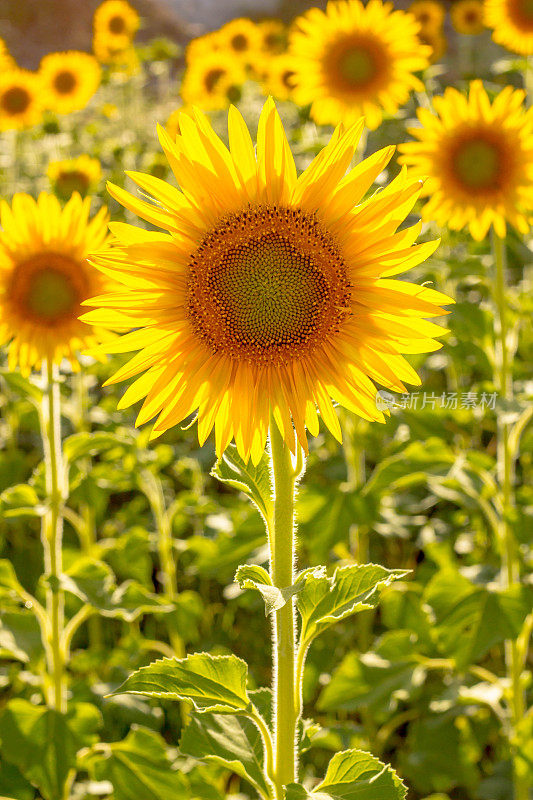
pixel 52 534
pixel 505 469
pixel 282 562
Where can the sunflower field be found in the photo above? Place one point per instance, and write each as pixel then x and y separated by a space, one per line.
pixel 266 402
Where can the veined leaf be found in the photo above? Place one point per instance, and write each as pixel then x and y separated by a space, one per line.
pixel 20 636
pixel 211 683
pixel 353 775
pixel 251 576
pixel 138 767
pixel 80 445
pixel 43 743
pixel 21 500
pixel 324 601
pixel 254 482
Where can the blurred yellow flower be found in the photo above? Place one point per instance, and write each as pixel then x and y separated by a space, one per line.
pixel 273 36
pixel 69 80
pixel 512 23
pixel 7 62
pixel 173 122
pixel 80 175
pixel 213 81
pixel 20 99
pixel 354 60
pixel 468 16
pixel 479 159
pixel 269 293
pixel 118 58
pixel 278 76
pixel 438 43
pixel 201 46
pixel 241 37
pixel 429 14
pixel 116 23
pixel 44 276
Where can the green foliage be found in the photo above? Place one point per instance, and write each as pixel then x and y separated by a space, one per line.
pixel 254 482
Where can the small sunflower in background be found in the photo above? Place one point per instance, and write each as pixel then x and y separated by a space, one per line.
pixel 7 62
pixel 354 60
pixel 468 16
pixel 438 43
pixel 20 99
pixel 242 38
pixel 512 23
pixel 117 58
pixel 116 22
pixel 69 80
pixel 80 175
pixel 273 36
pixel 278 77
pixel 214 81
pixel 201 46
pixel 44 277
pixel 478 158
pixel 268 293
pixel 429 14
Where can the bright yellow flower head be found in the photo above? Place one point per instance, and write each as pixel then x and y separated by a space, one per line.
pixel 278 76
pixel 241 37
pixel 213 81
pixel 512 21
pixel 74 175
pixel 116 22
pixel 438 43
pixel 268 293
pixel 479 159
pixel 202 46
pixel 69 80
pixel 20 99
pixel 273 36
pixel 429 14
pixel 7 62
pixel 354 60
pixel 44 276
pixel 468 16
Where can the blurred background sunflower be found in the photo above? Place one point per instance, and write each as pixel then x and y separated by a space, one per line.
pixel 69 80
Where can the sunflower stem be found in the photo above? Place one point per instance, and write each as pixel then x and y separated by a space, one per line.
pixel 282 561
pixel 510 574
pixel 52 534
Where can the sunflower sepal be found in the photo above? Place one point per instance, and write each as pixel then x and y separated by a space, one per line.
pixel 352 774
pixel 252 576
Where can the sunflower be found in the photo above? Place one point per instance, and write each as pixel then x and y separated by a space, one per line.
pixel 468 16
pixel 278 76
pixel 123 59
pixel 202 46
pixel 7 62
pixel 213 81
pixel 20 99
pixel 269 293
pixel 172 124
pixel 69 80
pixel 438 43
pixel 116 22
pixel 74 175
pixel 242 38
pixel 273 36
pixel 479 159
pixel 512 21
pixel 44 276
pixel 429 14
pixel 354 60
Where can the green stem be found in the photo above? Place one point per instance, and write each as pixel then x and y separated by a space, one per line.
pixel 282 551
pixel 52 532
pixel 505 470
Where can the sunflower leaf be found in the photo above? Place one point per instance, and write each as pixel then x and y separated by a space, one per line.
pixel 353 775
pixel 324 601
pixel 251 576
pixel 211 683
pixel 254 482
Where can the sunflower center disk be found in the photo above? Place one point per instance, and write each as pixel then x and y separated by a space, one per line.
pixel 477 165
pixel 117 24
pixel 16 100
pixel 267 285
pixel 48 287
pixel 64 82
pixel 357 66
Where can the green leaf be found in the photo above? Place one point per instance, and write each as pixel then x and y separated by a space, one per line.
pixel 471 619
pixel 211 683
pixel 254 482
pixel 324 601
pixel 21 500
pixel 138 767
pixel 13 786
pixel 20 636
pixel 353 775
pixel 22 386
pixel 81 445
pixel 251 576
pixel 94 583
pixel 43 743
pixel 9 583
pixel 234 742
